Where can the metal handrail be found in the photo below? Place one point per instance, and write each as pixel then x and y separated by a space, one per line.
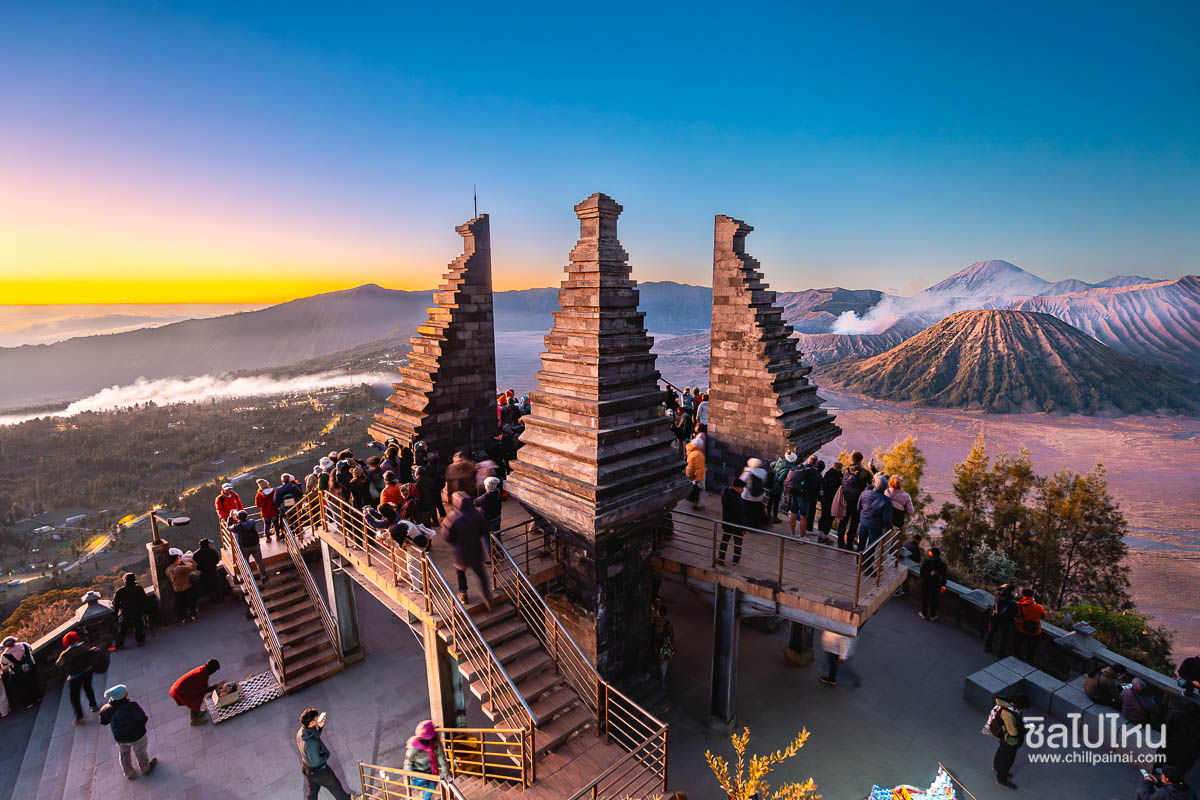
pixel 825 567
pixel 257 606
pixel 391 783
pixel 480 643
pixel 587 692
pixel 444 603
pixel 488 753
pixel 310 588
pixel 645 751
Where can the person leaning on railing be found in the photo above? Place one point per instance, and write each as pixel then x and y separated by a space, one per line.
pixel 246 534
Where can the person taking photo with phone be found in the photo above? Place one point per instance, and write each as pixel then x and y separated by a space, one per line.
pixel 314 758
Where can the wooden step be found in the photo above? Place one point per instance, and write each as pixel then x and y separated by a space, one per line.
pixel 500 611
pixel 285 598
pixel 561 728
pixel 525 666
pixel 312 675
pixel 292 652
pixel 539 684
pixel 319 656
pixel 553 704
pixel 300 634
pixel 294 621
pixel 507 653
pixel 504 630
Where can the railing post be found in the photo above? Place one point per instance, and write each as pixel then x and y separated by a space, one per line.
pixel 782 542
pixel 716 531
pixel 395 575
pixel 857 578
pixel 528 525
pixel 601 710
pixel 425 580
pixel 554 649
pixel 666 732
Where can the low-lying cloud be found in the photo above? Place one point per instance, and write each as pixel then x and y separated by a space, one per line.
pixel 169 391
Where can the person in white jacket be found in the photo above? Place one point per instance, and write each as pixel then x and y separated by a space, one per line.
pixel 754 496
pixel 838 649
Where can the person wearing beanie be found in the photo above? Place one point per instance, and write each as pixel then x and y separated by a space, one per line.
pixel 288 493
pixel 208 563
pixel 227 501
pixel 776 477
pixel 424 753
pixel 246 534
pixel 314 758
pixel 180 574
pixel 76 661
pixel 190 688
pixel 754 495
pixel 1012 736
pixel 130 604
pixel 127 721
pixel 20 673
pixel 490 504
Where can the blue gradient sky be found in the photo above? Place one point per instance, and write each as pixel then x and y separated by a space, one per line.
pixel 272 150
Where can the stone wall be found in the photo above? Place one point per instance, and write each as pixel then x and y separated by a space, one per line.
pixel 597 461
pixel 761 401
pixel 447 391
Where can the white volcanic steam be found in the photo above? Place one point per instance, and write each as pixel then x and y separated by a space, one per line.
pixel 168 391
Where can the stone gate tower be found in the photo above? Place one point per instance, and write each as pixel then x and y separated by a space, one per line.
pixel 447 392
pixel 597 462
pixel 761 400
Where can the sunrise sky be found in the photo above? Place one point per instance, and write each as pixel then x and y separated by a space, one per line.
pixel 252 152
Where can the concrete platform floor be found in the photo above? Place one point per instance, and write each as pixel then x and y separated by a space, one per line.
pixel 906 716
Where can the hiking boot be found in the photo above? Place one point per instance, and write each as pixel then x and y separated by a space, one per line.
pixel 150 767
pixel 1005 782
pixel 462 596
pixel 828 681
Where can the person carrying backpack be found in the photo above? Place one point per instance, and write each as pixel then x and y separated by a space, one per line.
pixel 754 495
pixel 855 481
pixel 933 578
pixel 1028 621
pixel 77 660
pixel 776 489
pixel 802 486
pixel 1007 724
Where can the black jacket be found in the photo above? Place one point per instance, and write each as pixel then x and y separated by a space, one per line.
pixel 854 483
pixel 291 490
pixel 130 601
pixel 732 509
pixel 829 486
pixel 490 504
pixel 1165 791
pixel 206 559
pixel 933 570
pixel 246 533
pixel 126 718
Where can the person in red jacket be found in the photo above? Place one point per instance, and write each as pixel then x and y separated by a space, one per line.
pixel 227 501
pixel 265 500
pixel 191 687
pixel 1028 625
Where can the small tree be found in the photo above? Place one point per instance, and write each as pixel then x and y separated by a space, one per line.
pixel 749 780
pixel 1081 533
pixel 905 459
pixel 967 522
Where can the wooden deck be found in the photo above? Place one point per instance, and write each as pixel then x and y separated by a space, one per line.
pixel 811 583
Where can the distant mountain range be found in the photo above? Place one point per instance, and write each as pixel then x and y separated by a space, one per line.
pixel 1157 322
pixel 1013 361
pixel 284 334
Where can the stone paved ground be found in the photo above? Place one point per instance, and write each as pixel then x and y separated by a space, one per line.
pixel 907 715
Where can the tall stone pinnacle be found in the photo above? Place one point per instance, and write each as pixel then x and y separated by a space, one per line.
pixel 597 461
pixel 447 392
pixel 596 449
pixel 761 400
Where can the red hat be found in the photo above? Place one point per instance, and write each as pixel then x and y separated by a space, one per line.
pixel 71 638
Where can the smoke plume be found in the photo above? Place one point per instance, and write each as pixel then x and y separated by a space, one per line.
pixel 168 391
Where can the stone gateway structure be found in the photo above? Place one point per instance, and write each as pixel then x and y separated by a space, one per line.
pixel 597 462
pixel 447 393
pixel 761 400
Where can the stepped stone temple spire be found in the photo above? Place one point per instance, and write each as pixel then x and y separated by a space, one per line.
pixel 761 400
pixel 597 461
pixel 447 392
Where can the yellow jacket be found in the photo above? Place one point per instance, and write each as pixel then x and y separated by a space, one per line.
pixel 695 463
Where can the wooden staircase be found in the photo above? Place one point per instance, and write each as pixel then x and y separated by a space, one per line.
pixel 558 711
pixel 308 655
pixel 297 629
